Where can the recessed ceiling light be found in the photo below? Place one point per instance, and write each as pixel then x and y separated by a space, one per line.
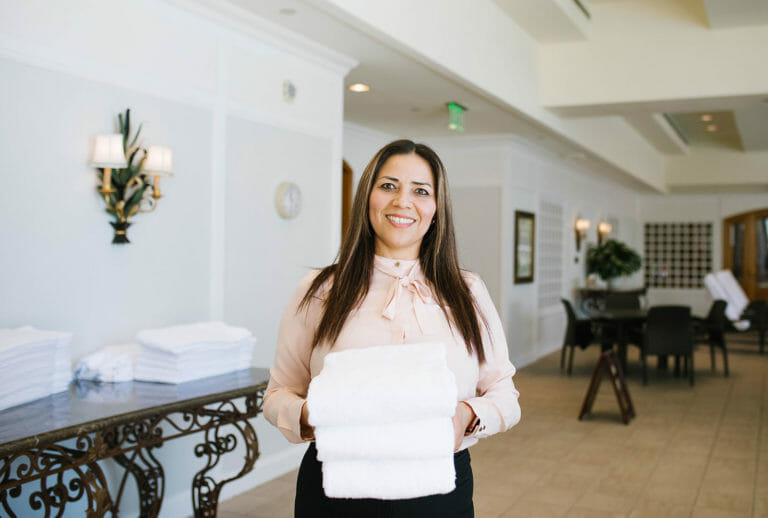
pixel 706 117
pixel 287 11
pixel 711 127
pixel 359 87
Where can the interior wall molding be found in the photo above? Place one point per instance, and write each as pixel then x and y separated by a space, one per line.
pixel 279 120
pixel 246 23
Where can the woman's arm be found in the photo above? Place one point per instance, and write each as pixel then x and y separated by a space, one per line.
pixel 496 402
pixel 284 400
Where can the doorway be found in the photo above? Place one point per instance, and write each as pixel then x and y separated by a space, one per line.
pixel 745 251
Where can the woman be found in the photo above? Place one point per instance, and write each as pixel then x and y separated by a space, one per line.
pixel 396 277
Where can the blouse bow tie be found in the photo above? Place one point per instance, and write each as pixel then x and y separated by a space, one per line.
pixel 421 297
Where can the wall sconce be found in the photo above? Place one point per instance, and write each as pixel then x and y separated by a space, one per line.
pixel 580 227
pixel 603 229
pixel 125 171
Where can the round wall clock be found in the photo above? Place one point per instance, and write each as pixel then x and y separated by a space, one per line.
pixel 288 200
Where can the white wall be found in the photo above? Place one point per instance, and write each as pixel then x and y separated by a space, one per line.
pixel 703 208
pixel 360 144
pixel 214 248
pixel 524 175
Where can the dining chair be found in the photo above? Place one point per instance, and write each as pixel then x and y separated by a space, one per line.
pixel 757 314
pixel 668 332
pixel 578 333
pixel 711 331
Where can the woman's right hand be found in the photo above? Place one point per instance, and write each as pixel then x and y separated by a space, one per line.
pixel 307 431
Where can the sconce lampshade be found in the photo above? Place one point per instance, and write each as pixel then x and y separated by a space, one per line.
pixel 582 225
pixel 107 151
pixel 604 228
pixel 159 161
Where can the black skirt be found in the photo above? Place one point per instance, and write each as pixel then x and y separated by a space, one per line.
pixel 311 501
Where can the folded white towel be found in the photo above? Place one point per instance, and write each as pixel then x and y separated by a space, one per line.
pixel 181 338
pixel 27 335
pixel 417 440
pixel 389 480
pixel 381 385
pixel 34 363
pixel 113 363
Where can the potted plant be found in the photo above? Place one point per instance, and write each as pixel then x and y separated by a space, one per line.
pixel 612 259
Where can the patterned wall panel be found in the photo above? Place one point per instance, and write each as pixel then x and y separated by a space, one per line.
pixel 677 255
pixel 549 253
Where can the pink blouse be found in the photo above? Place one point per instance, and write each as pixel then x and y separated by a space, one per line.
pixel 398 308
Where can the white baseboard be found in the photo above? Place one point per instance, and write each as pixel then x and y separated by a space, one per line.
pixel 267 467
pixel 522 361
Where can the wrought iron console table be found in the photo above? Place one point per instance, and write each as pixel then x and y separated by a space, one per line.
pixel 53 444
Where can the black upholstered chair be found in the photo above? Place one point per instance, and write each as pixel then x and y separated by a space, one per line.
pixel 711 331
pixel 757 314
pixel 668 332
pixel 578 333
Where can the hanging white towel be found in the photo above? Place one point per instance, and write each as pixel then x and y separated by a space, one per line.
pixel 416 440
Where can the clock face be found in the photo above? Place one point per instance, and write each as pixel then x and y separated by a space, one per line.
pixel 288 200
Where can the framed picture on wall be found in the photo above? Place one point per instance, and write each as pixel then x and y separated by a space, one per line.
pixel 525 230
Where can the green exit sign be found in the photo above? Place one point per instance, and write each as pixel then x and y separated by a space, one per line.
pixel 456 116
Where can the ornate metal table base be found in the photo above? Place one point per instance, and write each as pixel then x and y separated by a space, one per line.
pixel 67 471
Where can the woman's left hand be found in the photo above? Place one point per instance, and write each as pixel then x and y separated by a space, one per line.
pixel 461 419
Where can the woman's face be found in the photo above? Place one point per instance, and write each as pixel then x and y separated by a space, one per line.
pixel 401 206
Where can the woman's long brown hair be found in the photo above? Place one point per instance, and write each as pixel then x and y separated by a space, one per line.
pixel 351 273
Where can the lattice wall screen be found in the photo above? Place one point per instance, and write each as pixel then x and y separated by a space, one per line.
pixel 677 255
pixel 549 253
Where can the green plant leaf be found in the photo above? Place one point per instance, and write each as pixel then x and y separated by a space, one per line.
pixel 136 137
pixel 135 199
pixel 132 156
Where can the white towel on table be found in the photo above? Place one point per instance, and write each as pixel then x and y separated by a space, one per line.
pixel 34 363
pixel 385 384
pixel 112 363
pixel 389 480
pixel 416 440
pixel 181 338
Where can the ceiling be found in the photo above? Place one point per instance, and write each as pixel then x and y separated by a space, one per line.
pixel 408 97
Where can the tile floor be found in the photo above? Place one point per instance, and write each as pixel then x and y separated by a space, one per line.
pixel 690 452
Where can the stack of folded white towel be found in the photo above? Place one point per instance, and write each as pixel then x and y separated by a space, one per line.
pixel 33 364
pixel 186 352
pixel 382 418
